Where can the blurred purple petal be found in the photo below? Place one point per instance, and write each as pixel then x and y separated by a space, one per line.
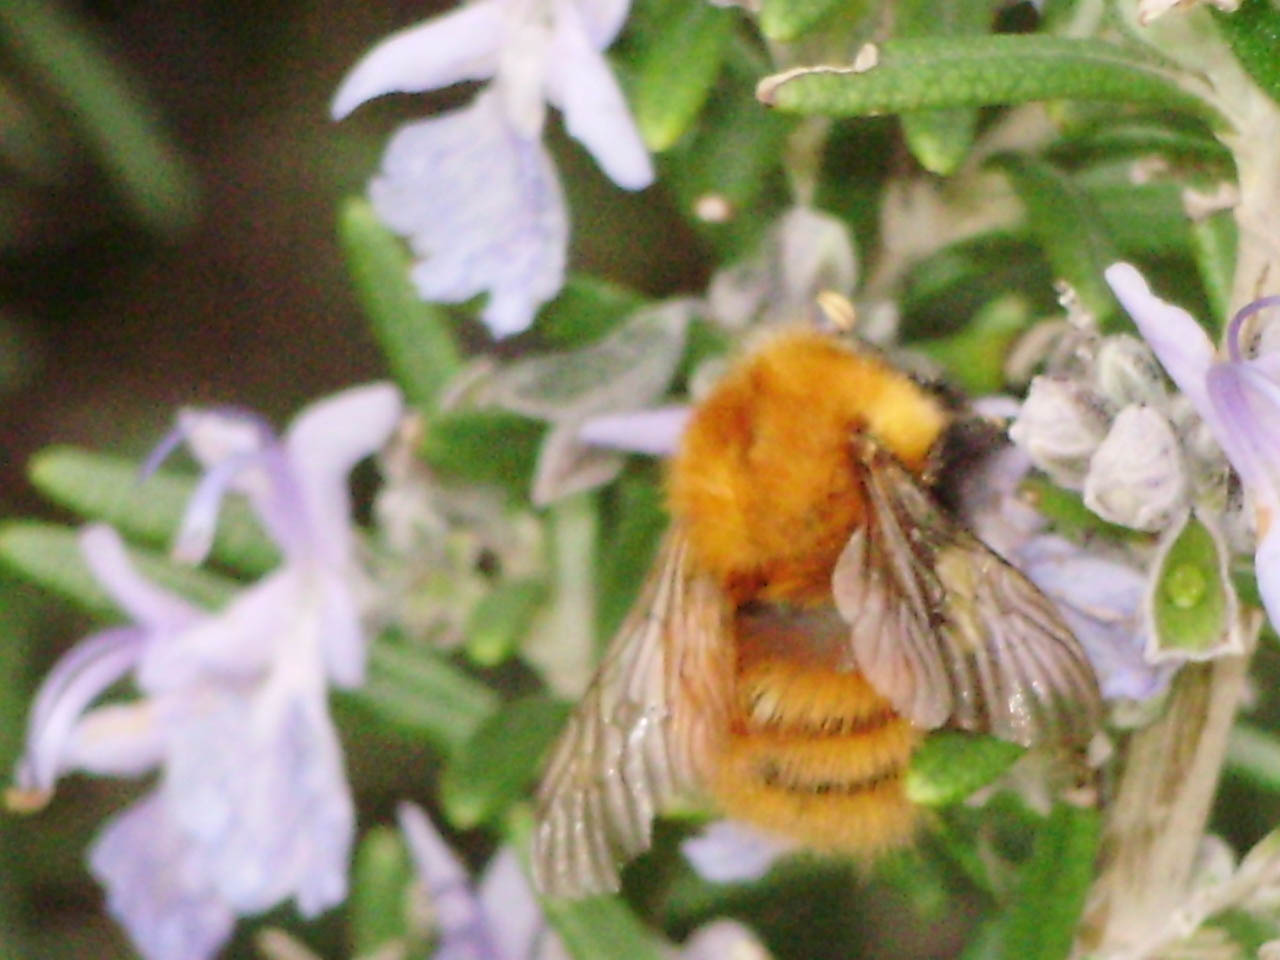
pixel 257 785
pixel 723 940
pixel 1181 344
pixel 581 84
pixel 517 927
pixel 1101 601
pixel 655 432
pixel 236 645
pixel 464 931
pixel 730 852
pixel 323 443
pixel 81 676
pixel 457 46
pixel 602 19
pixel 120 740
pixel 145 603
pixel 155 887
pixel 481 207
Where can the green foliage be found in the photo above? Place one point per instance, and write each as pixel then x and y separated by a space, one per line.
pixel 675 71
pixel 1253 32
pixel 415 335
pixel 1068 227
pixel 1041 920
pixel 1193 602
pixel 380 879
pixel 499 761
pixel 943 72
pixel 949 766
pixel 490 447
pixel 111 489
pixel 107 109
pixel 424 695
pixel 49 555
pixel 501 619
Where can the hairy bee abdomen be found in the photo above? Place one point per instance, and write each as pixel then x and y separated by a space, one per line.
pixel 817 756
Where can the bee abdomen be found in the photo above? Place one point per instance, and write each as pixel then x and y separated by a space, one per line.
pixel 817 756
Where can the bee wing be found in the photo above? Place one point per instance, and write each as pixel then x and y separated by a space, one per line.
pixel 642 734
pixel 948 631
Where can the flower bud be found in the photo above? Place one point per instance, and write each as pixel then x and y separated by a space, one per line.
pixel 1061 424
pixel 1137 477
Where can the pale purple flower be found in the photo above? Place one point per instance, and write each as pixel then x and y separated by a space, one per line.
pixel 475 190
pixel 252 806
pixel 1100 597
pixel 499 917
pixel 730 852
pixel 1237 396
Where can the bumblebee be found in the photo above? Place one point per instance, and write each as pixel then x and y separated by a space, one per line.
pixel 812 613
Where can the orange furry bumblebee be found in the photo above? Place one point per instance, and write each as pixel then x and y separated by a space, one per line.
pixel 812 612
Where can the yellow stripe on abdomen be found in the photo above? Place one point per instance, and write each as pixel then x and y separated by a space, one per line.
pixel 817 756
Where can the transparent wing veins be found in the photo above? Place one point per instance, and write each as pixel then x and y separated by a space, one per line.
pixel 949 632
pixel 639 737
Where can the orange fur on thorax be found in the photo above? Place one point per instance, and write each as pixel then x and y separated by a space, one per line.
pixel 766 480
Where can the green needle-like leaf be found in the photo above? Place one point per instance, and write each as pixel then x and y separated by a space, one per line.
pixel 485 446
pixel 676 71
pixel 948 766
pixel 108 488
pixel 416 336
pixel 931 72
pixel 499 761
pixel 48 554
pixel 1041 920
pixel 104 104
pixel 1253 33
pixel 940 139
pixel 785 20
pixel 1068 227
pixel 379 879
pixel 420 691
pixel 1254 753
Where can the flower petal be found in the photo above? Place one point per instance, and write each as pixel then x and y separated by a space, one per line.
pixel 602 19
pixel 342 643
pixel 257 784
pixel 120 740
pixel 516 925
pixel 81 676
pixel 324 442
pixel 458 46
pixel 1180 344
pixel 581 84
pixel 236 644
pixel 462 921
pixel 1267 570
pixel 155 886
pixel 723 939
pixel 1137 476
pixel 1246 424
pixel 730 852
pixel 482 206
pixel 655 432
pixel 145 603
pixel 1101 601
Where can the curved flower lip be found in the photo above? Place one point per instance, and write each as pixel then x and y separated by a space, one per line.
pixel 453 48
